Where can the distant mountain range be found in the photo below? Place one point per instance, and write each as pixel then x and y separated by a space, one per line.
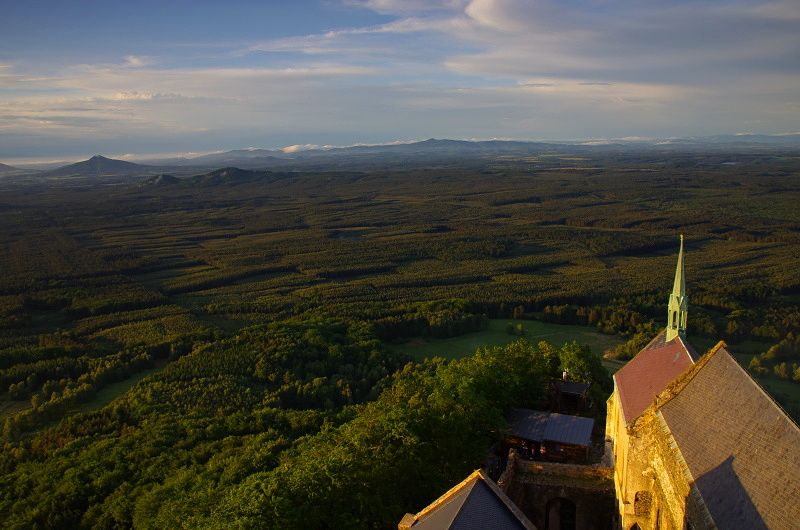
pixel 281 156
pixel 419 151
pixel 392 155
pixel 755 140
pixel 434 149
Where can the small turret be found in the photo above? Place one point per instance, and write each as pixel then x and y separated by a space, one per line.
pixel 678 309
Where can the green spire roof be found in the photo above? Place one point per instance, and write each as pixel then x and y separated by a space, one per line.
pixel 678 310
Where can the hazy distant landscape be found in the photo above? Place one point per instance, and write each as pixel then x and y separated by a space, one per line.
pixel 285 265
pixel 440 152
pixel 272 312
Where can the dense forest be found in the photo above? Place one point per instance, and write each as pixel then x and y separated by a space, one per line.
pixel 262 308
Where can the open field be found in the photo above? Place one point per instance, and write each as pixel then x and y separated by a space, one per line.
pixel 788 389
pixel 8 407
pixel 115 390
pixel 497 335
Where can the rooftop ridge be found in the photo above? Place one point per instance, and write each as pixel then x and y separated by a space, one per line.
pixel 410 520
pixel 690 351
pixel 449 494
pixel 673 389
pixel 758 386
pixel 682 380
pixel 676 386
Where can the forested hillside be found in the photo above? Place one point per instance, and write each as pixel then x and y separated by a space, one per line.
pixel 263 305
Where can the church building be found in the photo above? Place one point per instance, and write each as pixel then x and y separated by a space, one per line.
pixel 691 443
pixel 696 442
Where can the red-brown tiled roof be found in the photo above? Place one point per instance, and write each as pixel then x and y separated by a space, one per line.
pixel 649 373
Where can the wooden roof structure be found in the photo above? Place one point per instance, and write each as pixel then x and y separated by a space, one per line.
pixel 476 502
pixel 740 449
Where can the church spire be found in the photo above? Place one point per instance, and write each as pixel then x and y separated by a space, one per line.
pixel 678 303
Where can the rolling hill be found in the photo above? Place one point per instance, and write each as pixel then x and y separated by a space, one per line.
pixel 100 166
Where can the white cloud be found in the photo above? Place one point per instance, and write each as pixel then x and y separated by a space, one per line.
pixel 401 7
pixel 422 40
pixel 134 61
pixel 297 148
pixel 140 96
pixel 685 42
pixel 104 101
pixel 448 68
pixel 209 82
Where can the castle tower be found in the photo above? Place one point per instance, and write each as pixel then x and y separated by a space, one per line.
pixel 678 309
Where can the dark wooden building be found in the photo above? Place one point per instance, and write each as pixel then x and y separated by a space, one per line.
pixel 571 398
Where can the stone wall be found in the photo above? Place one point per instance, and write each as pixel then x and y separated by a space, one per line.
pixel 634 472
pixel 657 489
pixel 540 487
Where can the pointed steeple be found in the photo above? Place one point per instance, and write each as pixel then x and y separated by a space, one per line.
pixel 678 309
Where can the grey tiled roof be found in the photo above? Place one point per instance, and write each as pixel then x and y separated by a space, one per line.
pixel 571 387
pixel 527 424
pixel 566 429
pixel 741 449
pixel 474 504
pixel 540 426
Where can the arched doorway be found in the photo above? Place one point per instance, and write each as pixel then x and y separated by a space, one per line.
pixel 560 515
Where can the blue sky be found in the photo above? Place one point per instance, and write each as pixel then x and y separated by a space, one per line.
pixel 127 79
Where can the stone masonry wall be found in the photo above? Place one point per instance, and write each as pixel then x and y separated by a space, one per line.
pixel 533 485
pixel 658 483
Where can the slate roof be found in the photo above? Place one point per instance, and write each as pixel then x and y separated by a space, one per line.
pixel 476 503
pixel 656 366
pixel 545 426
pixel 571 387
pixel 575 430
pixel 527 424
pixel 741 449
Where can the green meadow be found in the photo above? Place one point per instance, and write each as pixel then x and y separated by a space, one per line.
pixel 497 334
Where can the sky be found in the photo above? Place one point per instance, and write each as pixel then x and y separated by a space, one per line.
pixel 132 79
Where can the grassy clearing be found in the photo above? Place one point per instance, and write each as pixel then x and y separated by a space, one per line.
pixel 115 390
pixel 9 407
pixel 748 347
pixel 790 389
pixel 103 398
pixel 497 335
